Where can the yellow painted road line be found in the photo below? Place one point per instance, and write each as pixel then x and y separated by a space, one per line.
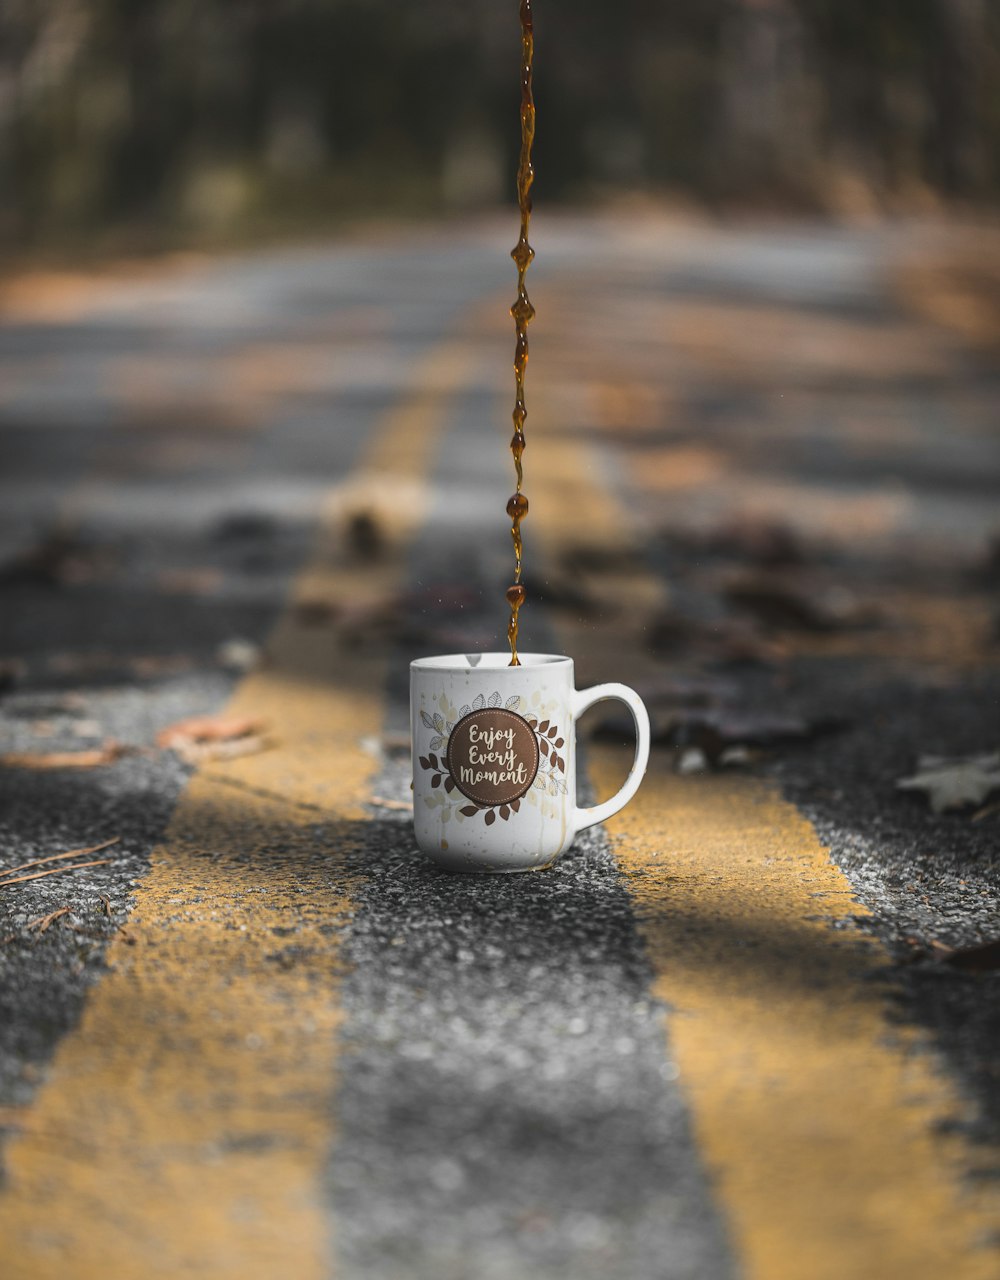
pixel 814 1118
pixel 184 1125
pixel 816 1121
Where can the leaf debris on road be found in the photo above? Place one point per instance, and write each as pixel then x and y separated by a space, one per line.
pixel 957 782
pixel 202 738
pixel 91 759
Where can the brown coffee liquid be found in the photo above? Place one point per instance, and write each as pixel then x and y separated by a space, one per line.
pixel 522 311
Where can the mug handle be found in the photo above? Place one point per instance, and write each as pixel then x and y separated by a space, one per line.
pixel 584 698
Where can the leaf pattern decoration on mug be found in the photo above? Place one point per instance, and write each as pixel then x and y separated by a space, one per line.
pixel 549 779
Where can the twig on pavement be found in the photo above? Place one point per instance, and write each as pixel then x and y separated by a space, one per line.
pixel 40 924
pixel 55 857
pixel 73 866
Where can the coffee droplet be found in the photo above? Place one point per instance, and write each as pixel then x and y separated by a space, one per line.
pixel 515 595
pixel 517 506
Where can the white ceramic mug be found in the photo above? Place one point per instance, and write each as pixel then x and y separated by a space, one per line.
pixel 494 759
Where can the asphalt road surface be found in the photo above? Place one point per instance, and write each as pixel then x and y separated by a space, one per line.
pixel 744 1031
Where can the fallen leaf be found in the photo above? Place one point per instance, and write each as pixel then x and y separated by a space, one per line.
pixel 955 783
pixel 208 729
pixel 107 754
pixel 250 744
pixel 202 738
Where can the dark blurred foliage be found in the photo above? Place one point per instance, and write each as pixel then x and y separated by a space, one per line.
pixel 194 117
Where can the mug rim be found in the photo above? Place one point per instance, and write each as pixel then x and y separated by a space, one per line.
pixel 494 662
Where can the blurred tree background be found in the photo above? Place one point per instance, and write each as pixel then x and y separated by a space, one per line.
pixel 146 122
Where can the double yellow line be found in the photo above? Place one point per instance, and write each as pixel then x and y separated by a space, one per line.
pixel 819 1124
pixel 184 1125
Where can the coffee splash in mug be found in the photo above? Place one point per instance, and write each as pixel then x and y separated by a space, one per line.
pixel 522 312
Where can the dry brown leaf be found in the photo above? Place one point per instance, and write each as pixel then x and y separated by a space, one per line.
pixel 202 729
pixel 194 752
pixel 106 754
pixel 203 738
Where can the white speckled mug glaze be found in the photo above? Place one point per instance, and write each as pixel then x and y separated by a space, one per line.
pixel 494 759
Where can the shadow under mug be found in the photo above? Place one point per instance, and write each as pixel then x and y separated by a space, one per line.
pixel 494 759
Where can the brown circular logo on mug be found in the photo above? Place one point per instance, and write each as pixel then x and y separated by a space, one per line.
pixel 493 756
